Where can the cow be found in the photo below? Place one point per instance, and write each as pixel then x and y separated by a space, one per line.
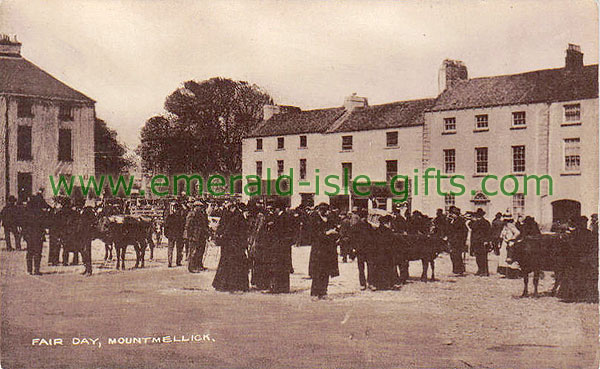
pixel 411 247
pixel 105 236
pixel 123 231
pixel 545 252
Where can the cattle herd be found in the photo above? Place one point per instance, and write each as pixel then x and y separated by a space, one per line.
pixel 256 241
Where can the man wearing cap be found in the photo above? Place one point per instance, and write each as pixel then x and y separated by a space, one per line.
pixel 196 233
pixel 174 225
pixel 457 237
pixel 323 256
pixel 9 220
pixel 480 236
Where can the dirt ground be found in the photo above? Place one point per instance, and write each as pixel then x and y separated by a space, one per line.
pixel 466 322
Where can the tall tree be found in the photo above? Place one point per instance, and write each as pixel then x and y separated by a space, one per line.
pixel 203 129
pixel 110 154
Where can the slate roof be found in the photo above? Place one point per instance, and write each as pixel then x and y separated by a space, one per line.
pixel 296 122
pixel 549 85
pixel 332 120
pixel 18 76
pixel 391 115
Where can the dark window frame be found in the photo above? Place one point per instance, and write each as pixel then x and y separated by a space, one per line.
pixel 391 139
pixel 347 143
pixel 65 155
pixel 25 108
pixel 24 149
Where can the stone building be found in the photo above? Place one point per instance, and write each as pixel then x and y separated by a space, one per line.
pixel 378 141
pixel 542 122
pixel 46 127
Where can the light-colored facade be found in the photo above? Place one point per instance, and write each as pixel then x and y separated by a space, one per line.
pixel 377 153
pixel 536 123
pixel 523 135
pixel 369 157
pixel 46 128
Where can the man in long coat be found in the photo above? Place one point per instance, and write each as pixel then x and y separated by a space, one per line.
pixel 362 243
pixel 33 233
pixel 383 265
pixel 457 237
pixel 480 236
pixel 9 220
pixel 196 233
pixel 174 226
pixel 281 259
pixel 323 254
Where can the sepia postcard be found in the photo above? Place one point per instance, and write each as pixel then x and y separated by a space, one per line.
pixel 299 184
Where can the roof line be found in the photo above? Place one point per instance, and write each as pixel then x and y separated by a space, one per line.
pixel 527 72
pixel 507 104
pixel 88 101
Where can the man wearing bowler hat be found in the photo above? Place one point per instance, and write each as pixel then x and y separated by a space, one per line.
pixel 323 262
pixel 480 236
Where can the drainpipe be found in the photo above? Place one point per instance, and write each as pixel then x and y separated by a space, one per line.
pixel 6 152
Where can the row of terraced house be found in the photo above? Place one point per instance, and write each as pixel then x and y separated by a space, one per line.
pixel 543 122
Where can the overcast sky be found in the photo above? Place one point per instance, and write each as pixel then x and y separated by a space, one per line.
pixel 129 55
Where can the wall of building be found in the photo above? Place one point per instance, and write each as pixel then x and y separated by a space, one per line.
pixel 499 138
pixel 582 187
pixel 324 152
pixel 45 127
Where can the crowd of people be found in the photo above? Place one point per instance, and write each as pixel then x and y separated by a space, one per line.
pixel 256 240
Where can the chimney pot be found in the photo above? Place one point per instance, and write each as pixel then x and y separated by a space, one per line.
pixel 353 101
pixel 9 46
pixel 574 58
pixel 450 73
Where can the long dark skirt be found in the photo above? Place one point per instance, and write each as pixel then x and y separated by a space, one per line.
pixel 232 272
pixel 319 285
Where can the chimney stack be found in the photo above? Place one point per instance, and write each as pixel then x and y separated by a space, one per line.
pixel 270 110
pixel 574 58
pixel 353 101
pixel 450 73
pixel 9 46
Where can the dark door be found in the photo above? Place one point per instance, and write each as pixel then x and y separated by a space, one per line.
pixel 24 185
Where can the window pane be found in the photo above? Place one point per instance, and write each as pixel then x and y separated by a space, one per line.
pixel 392 138
pixel 302 168
pixel 481 121
pixel 572 113
pixel 64 145
pixel 449 161
pixel 346 142
pixel 259 144
pixel 572 150
pixel 280 142
pixel 450 124
pixel 519 118
pixel 481 160
pixel 347 167
pixel 259 168
pixel 518 158
pixel 24 143
pixel 302 141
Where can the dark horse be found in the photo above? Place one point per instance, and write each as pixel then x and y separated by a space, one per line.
pixel 545 252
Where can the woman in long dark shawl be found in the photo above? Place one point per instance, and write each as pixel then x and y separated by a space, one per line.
pixel 232 272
